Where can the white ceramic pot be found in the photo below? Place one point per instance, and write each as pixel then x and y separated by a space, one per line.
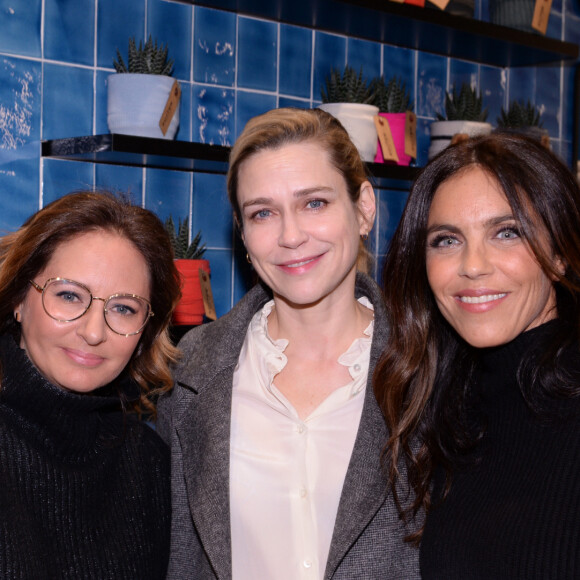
pixel 136 102
pixel 358 120
pixel 443 131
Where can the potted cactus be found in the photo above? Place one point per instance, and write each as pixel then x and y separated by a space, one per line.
pixel 348 96
pixel 143 98
pixel 523 118
pixel 464 115
pixel 393 101
pixel 190 264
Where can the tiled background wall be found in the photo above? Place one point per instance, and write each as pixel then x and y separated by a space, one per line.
pixel 55 56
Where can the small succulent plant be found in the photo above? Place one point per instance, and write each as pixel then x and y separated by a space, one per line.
pixel 519 114
pixel 150 59
pixel 348 87
pixel 465 106
pixel 391 97
pixel 182 249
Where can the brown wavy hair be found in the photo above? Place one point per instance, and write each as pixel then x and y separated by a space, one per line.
pixel 285 126
pixel 423 376
pixel 25 253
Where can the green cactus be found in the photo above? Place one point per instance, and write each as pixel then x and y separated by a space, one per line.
pixel 519 115
pixel 150 59
pixel 467 106
pixel 391 97
pixel 182 249
pixel 346 88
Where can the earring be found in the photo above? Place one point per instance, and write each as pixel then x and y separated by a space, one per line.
pixel 248 259
pixel 17 316
pixel 364 237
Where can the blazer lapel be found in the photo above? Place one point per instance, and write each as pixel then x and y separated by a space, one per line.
pixel 205 441
pixel 365 489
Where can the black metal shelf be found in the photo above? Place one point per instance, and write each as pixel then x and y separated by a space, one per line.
pixel 180 156
pixel 424 29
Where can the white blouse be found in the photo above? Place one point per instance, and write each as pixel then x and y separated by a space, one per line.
pixel 286 474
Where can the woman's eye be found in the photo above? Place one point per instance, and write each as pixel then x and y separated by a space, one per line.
pixel 443 241
pixel 68 297
pixel 316 204
pixel 510 233
pixel 261 214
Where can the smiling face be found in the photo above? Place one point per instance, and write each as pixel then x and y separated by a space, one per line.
pixel 485 279
pixel 84 354
pixel 300 228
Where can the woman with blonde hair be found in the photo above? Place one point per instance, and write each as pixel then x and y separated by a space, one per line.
pixel 275 433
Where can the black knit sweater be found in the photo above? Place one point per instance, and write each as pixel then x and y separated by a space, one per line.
pixel 516 513
pixel 84 490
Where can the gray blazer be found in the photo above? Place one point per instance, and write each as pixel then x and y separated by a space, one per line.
pixel 195 420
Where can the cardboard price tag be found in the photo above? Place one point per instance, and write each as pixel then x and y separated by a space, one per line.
pixel 170 107
pixel 207 295
pixel 541 15
pixel 386 139
pixel 411 134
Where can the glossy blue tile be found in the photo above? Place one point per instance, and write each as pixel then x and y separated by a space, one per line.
pixel 68 101
pixel 295 61
pixel 168 193
pixel 554 29
pixel 568 101
pixel 461 71
pixel 120 178
pixel 390 209
pixel 400 62
pixel 101 126
pixel 423 141
pixel 220 263
pixel 493 84
pixel 71 27
pixel 214 46
pixel 249 105
pixel 257 54
pixel 62 177
pixel 212 113
pixel 117 22
pixel 431 84
pixel 244 277
pixel 547 99
pixel 185 113
pixel 288 102
pixel 365 54
pixel 20 27
pixel 172 25
pixel 522 84
pixel 572 28
pixel 329 54
pixel 212 213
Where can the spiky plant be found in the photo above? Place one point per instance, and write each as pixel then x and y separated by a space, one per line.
pixel 519 115
pixel 465 106
pixel 391 97
pixel 182 249
pixel 348 87
pixel 150 59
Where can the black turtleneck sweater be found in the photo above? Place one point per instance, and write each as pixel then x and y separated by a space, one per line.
pixel 515 514
pixel 84 490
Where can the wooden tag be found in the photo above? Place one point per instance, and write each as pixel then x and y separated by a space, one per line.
pixel 207 295
pixel 170 107
pixel 541 15
pixel 386 139
pixel 411 134
pixel 440 3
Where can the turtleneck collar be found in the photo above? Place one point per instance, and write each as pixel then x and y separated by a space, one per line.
pixel 72 426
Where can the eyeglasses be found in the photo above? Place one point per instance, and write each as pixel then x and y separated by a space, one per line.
pixel 66 300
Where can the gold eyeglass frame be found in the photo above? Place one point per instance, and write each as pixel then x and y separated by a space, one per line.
pixel 41 289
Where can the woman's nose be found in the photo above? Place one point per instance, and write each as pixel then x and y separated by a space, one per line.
pixel 92 326
pixel 292 233
pixel 475 261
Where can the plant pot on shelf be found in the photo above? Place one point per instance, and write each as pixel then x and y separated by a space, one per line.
pixel 136 103
pixel 443 131
pixel 190 309
pixel 397 126
pixel 358 120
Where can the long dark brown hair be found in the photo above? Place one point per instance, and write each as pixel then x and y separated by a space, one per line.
pixel 424 373
pixel 25 253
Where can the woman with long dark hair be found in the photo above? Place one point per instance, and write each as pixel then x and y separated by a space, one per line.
pixel 480 380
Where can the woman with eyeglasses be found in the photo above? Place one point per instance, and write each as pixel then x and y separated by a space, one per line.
pixel 87 289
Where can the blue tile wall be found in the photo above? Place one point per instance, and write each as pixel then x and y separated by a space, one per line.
pixel 56 56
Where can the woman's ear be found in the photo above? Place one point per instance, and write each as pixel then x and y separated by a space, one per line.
pixel 560 266
pixel 367 208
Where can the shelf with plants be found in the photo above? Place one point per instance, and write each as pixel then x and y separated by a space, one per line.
pixel 179 156
pixel 424 29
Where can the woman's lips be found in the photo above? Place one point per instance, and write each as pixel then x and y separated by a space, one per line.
pixel 480 300
pixel 83 358
pixel 300 265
